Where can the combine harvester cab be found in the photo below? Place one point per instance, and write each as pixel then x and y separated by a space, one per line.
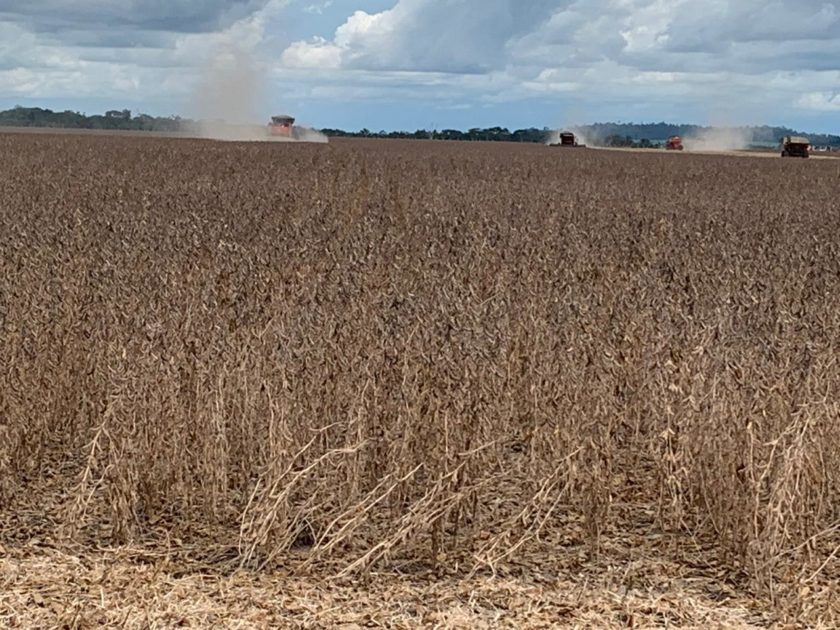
pixel 795 146
pixel 674 143
pixel 567 139
pixel 282 126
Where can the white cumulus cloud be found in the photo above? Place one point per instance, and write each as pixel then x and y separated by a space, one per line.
pixel 616 58
pixel 749 55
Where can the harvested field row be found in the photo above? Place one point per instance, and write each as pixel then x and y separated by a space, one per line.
pixel 446 360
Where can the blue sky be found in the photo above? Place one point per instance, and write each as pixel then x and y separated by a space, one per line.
pixel 407 64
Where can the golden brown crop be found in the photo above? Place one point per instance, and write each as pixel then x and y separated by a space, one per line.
pixel 382 351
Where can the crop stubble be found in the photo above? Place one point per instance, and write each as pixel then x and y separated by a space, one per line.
pixel 373 355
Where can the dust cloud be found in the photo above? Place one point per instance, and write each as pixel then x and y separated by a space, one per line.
pixel 231 97
pixel 718 139
pixel 308 134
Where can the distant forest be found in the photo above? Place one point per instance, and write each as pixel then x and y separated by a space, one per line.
pixel 647 135
pixel 603 134
pixel 114 119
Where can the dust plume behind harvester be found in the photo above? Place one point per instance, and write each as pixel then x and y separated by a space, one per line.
pixel 719 139
pixel 281 128
pixel 229 96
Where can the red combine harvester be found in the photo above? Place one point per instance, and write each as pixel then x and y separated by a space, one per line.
pixel 674 143
pixel 282 125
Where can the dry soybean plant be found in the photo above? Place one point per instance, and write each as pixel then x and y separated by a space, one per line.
pixel 417 351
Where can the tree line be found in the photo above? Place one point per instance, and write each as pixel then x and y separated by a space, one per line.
pixel 490 134
pixel 646 135
pixel 113 119
pixel 639 136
